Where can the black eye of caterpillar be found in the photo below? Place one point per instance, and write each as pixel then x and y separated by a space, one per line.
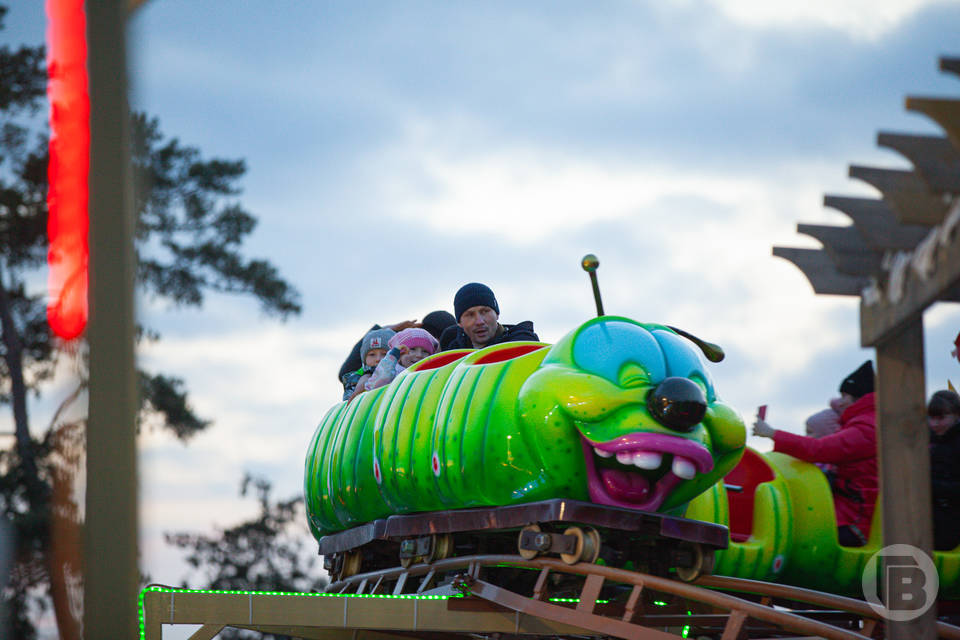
pixel 677 403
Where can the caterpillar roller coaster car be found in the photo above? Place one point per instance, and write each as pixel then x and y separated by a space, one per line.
pixel 588 448
pixel 783 529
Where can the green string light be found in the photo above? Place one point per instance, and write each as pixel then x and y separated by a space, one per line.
pixel 576 600
pixel 686 629
pixel 406 596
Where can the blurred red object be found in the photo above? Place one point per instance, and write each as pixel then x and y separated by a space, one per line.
pixel 68 195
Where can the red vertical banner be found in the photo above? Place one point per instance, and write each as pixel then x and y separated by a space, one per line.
pixel 68 194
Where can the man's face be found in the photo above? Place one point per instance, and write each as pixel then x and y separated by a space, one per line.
pixel 480 325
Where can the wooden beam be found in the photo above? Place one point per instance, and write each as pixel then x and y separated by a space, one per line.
pixel 846 248
pixel 206 632
pixel 902 448
pixel 305 614
pixel 943 111
pixel 821 272
pixel 877 224
pixel 908 195
pixel 950 65
pixel 841 239
pixel 314 633
pixel 110 551
pixel 934 158
pixel 883 318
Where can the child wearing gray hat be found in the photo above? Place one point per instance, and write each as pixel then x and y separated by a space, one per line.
pixel 373 348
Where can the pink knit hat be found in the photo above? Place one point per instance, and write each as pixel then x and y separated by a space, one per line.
pixel 415 337
pixel 823 423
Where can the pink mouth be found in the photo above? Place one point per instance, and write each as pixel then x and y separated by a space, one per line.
pixel 633 483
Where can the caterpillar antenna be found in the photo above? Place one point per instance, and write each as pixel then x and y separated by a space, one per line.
pixel 590 263
pixel 713 352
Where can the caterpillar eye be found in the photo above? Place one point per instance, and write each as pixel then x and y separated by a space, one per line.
pixel 677 403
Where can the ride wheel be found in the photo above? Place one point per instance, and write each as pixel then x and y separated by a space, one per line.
pixel 351 564
pixel 588 545
pixel 441 547
pixel 703 561
pixel 527 554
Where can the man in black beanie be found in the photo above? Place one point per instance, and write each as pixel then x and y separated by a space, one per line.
pixel 478 326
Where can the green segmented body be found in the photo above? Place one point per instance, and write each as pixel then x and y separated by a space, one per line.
pixel 511 423
pixel 783 529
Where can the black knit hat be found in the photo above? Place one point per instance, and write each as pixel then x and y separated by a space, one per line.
pixel 436 321
pixel 860 382
pixel 474 295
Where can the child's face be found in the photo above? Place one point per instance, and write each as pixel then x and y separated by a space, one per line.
pixel 940 424
pixel 374 356
pixel 414 355
pixel 844 401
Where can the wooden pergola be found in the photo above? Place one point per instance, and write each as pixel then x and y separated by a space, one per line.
pixel 900 255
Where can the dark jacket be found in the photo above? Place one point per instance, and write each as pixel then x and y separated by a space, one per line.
pixel 945 485
pixel 853 449
pixel 456 338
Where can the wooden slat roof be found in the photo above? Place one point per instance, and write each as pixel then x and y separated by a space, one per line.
pixel 902 252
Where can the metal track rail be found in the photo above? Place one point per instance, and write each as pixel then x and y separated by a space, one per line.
pixel 626 622
pixel 505 596
pixel 809 596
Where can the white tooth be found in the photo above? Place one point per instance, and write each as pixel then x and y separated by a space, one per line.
pixel 602 453
pixel 684 468
pixel 647 459
pixel 624 457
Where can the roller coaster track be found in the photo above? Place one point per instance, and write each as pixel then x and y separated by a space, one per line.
pixel 482 594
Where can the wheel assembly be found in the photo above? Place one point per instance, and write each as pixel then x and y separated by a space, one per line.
pixel 525 534
pixel 703 560
pixel 441 546
pixel 587 547
pixel 351 564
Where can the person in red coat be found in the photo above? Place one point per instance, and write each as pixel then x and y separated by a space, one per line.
pixel 853 451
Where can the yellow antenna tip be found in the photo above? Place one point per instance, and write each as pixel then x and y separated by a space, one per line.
pixel 589 262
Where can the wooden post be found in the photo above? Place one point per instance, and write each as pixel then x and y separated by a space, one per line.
pixel 110 531
pixel 902 446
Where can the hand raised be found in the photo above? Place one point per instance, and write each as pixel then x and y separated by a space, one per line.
pixel 406 324
pixel 762 429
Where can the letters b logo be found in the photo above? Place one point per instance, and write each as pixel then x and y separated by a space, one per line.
pixel 905 578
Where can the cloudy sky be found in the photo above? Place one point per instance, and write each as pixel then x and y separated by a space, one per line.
pixel 398 150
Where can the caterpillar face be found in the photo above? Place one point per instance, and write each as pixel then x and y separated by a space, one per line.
pixel 641 404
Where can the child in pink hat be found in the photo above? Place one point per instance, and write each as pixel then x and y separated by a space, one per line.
pixel 406 348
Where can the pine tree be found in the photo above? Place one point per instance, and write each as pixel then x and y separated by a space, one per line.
pixel 189 237
pixel 265 553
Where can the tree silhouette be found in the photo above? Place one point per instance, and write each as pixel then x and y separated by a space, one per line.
pixel 189 239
